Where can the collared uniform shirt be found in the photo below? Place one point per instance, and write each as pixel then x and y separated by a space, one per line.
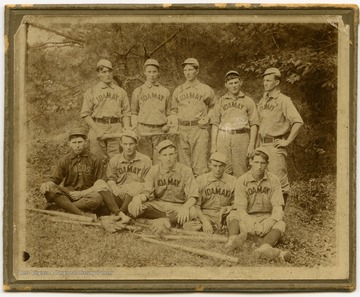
pixel 105 101
pixel 79 172
pixel 176 185
pixel 235 112
pixel 122 171
pixel 215 193
pixel 191 101
pixel 151 103
pixel 277 115
pixel 258 196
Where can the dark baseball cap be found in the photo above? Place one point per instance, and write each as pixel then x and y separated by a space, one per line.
pixel 191 61
pixel 232 72
pixel 164 144
pixel 78 132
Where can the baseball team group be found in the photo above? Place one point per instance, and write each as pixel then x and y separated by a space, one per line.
pixel 186 159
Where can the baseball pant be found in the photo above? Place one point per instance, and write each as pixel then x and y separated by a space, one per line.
pixel 248 224
pixel 170 209
pixel 277 164
pixel 147 144
pixel 90 202
pixel 234 147
pixel 107 148
pixel 194 148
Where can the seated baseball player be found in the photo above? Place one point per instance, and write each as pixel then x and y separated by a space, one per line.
pixel 258 208
pixel 170 190
pixel 125 175
pixel 80 174
pixel 216 190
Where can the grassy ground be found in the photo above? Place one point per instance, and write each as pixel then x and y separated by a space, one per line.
pixel 310 234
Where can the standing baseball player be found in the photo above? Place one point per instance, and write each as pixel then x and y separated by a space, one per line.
pixel 258 209
pixel 150 106
pixel 280 123
pixel 192 103
pixel 125 175
pixel 170 190
pixel 216 191
pixel 104 109
pixel 235 124
pixel 81 174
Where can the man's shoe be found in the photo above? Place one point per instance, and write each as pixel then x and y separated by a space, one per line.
pixel 267 252
pixel 236 242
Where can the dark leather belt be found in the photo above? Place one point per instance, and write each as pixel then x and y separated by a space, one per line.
pixel 188 123
pixel 152 126
pixel 237 131
pixel 270 139
pixel 107 120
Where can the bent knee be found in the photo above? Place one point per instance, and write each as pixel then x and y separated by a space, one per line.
pixel 281 226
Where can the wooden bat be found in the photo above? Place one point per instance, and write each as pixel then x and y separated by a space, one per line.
pixel 191 237
pixel 192 250
pixel 70 216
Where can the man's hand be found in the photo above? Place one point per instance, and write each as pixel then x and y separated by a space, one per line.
pixel 135 206
pixel 45 187
pixel 207 227
pixel 267 226
pixel 278 143
pixel 76 195
pixel 249 151
pixel 161 225
pixel 183 215
pixel 99 134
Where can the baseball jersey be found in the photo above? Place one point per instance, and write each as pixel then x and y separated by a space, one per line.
pixel 215 193
pixel 105 101
pixel 151 103
pixel 176 185
pixel 122 171
pixel 258 196
pixel 191 101
pixel 235 112
pixel 277 115
pixel 78 172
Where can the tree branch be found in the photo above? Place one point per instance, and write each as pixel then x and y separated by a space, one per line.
pixel 164 42
pixel 54 44
pixel 41 27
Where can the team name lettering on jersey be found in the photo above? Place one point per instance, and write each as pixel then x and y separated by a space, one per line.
pixel 191 95
pixel 218 191
pixel 169 181
pixel 107 95
pixel 259 189
pixel 268 106
pixel 81 168
pixel 130 169
pixel 237 105
pixel 152 96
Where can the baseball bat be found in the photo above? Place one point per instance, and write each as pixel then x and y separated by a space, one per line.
pixel 71 216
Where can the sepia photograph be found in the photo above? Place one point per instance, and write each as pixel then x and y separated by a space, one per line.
pixel 163 148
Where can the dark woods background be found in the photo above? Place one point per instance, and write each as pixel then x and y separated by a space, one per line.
pixel 61 66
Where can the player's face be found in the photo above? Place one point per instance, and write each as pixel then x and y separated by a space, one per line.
pixel 168 157
pixel 233 85
pixel 258 166
pixel 129 146
pixel 270 82
pixel 77 145
pixel 151 73
pixel 217 168
pixel 190 72
pixel 105 75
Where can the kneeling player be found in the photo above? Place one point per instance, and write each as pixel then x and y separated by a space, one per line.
pixel 259 209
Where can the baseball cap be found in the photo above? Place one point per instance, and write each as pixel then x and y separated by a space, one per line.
pixel 232 72
pixel 152 62
pixel 77 132
pixel 131 134
pixel 219 157
pixel 272 71
pixel 104 63
pixel 263 150
pixel 164 144
pixel 191 61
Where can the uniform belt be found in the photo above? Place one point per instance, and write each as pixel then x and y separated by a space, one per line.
pixel 188 123
pixel 270 139
pixel 237 131
pixel 153 126
pixel 107 120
